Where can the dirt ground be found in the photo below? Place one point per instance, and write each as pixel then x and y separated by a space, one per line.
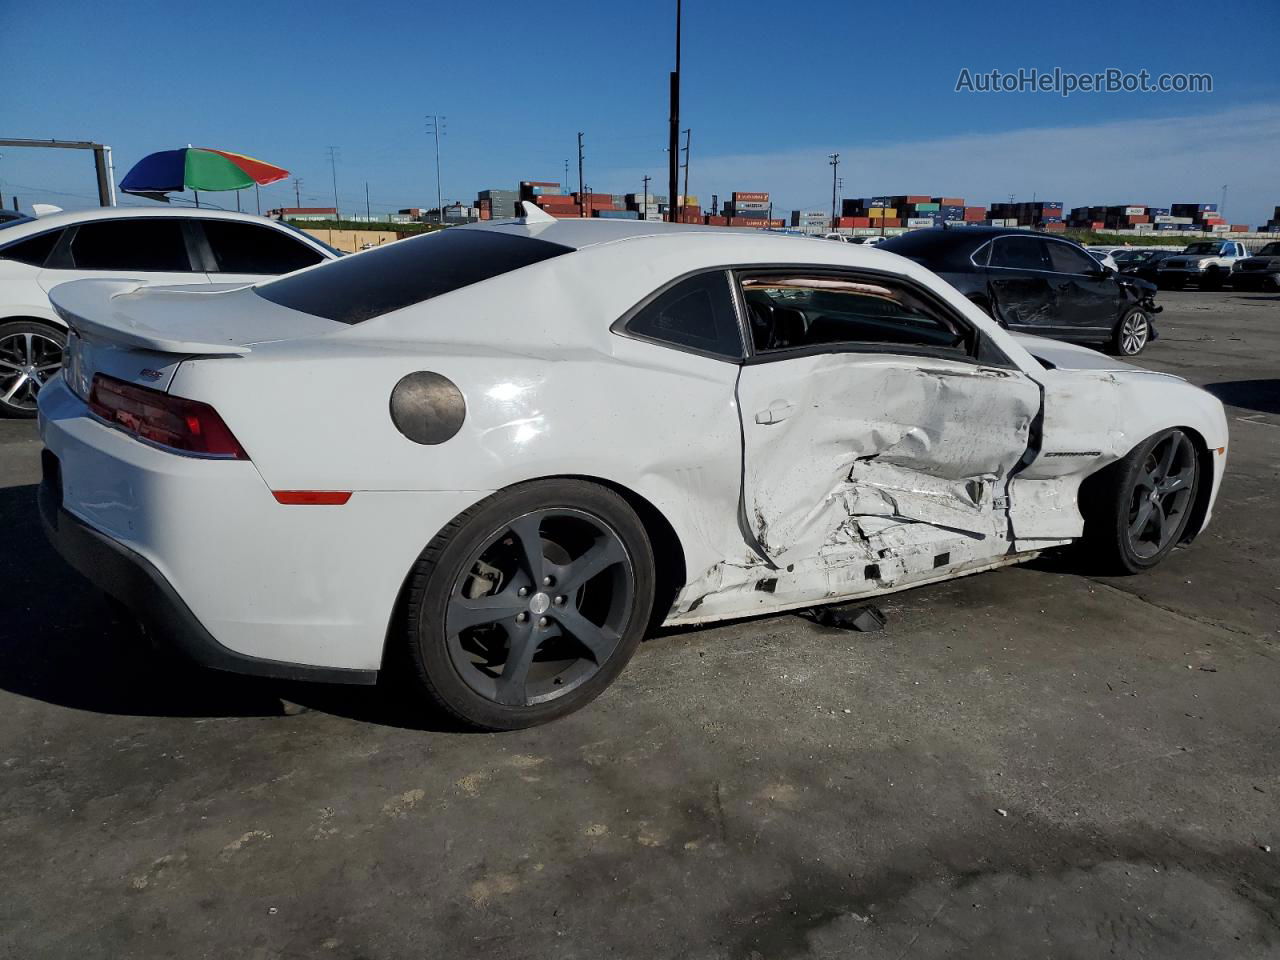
pixel 1028 763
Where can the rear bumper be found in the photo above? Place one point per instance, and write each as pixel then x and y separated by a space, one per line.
pixel 135 582
pixel 203 546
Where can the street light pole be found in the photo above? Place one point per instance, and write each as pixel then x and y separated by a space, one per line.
pixel 673 145
pixel 436 128
pixel 834 160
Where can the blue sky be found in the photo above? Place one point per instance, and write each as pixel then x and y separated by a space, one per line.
pixel 769 90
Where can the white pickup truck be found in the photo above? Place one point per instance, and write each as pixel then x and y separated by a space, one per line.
pixel 1206 262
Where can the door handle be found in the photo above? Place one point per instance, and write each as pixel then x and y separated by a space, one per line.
pixel 777 411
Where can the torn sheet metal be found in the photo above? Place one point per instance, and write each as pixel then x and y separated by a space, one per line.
pixel 918 440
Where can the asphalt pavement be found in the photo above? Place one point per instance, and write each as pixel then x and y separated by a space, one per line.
pixel 1027 763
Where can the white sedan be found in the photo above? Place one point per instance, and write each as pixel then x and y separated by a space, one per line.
pixel 506 451
pixel 155 244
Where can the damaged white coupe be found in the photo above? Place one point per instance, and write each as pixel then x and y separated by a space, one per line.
pixel 496 456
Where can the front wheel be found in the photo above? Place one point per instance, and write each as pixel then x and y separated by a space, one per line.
pixel 1132 333
pixel 1211 279
pixel 529 604
pixel 30 353
pixel 1136 510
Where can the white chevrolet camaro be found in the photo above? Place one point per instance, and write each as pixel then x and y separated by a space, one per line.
pixel 506 451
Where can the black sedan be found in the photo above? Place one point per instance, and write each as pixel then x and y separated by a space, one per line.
pixel 1142 263
pixel 1033 283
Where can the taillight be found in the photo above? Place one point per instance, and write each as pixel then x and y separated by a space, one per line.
pixel 181 425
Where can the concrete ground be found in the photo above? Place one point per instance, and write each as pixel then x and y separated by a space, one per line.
pixel 1028 763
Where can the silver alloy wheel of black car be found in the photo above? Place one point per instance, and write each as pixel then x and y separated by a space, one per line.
pixel 1161 495
pixel 30 353
pixel 1135 331
pixel 540 606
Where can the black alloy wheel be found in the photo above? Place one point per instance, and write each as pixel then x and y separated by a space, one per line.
pixel 1137 509
pixel 530 604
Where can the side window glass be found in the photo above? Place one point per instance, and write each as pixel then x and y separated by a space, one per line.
pixel 1067 259
pixel 126 245
pixel 1020 253
pixel 695 314
pixel 790 311
pixel 33 250
pixel 248 248
pixel 982 255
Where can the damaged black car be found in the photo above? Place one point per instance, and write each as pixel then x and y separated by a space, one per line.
pixel 1034 283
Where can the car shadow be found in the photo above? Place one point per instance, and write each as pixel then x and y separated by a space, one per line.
pixel 63 642
pixel 1260 395
pixel 1271 299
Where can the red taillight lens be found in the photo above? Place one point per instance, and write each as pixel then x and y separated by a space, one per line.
pixel 185 426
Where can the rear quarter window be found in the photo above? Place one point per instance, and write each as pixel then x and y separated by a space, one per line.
pixel 368 285
pixel 33 250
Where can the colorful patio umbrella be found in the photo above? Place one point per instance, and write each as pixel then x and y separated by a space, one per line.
pixel 197 168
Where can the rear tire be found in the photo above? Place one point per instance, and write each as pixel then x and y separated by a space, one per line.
pixel 1136 510
pixel 529 604
pixel 1132 333
pixel 30 353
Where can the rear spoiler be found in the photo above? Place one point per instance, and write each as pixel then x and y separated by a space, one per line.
pixel 97 309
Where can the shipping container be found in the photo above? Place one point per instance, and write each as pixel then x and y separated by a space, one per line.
pixel 716 221
pixel 618 214
pixel 972 214
pixel 739 196
pixel 748 221
pixel 917 222
pixel 949 201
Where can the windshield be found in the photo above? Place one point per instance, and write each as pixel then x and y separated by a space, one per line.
pixel 1202 248
pixel 1270 250
pixel 400 274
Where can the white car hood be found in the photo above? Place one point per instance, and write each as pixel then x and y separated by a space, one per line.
pixel 1069 356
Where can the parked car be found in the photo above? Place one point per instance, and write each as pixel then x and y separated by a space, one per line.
pixel 1207 263
pixel 1038 284
pixel 8 216
pixel 1258 272
pixel 1143 264
pixel 1106 259
pixel 153 245
pixel 501 453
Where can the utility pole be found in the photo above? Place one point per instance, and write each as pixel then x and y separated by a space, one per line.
pixel 436 127
pixel 1222 207
pixel 566 174
pixel 644 205
pixel 582 193
pixel 333 167
pixel 367 214
pixel 297 191
pixel 834 160
pixel 673 145
pixel 684 197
